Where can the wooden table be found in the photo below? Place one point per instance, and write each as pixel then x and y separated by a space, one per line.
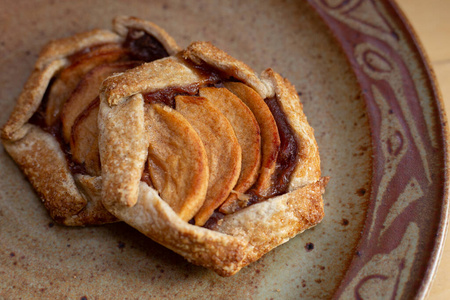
pixel 431 21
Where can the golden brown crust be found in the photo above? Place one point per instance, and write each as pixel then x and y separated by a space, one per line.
pixel 235 242
pixel 154 218
pixel 123 145
pixel 38 153
pixel 260 224
pixel 40 157
pixel 94 211
pixel 150 77
pixel 62 48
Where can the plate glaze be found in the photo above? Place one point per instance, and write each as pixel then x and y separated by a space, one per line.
pixel 367 91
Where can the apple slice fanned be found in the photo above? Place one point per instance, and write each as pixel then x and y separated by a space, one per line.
pixel 270 138
pixel 69 78
pixel 247 132
pixel 222 148
pixel 84 139
pixel 177 160
pixel 86 91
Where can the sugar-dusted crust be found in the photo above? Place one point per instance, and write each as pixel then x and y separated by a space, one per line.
pixel 153 216
pixel 39 155
pixel 268 224
pixel 123 146
pixel 239 238
pixel 164 73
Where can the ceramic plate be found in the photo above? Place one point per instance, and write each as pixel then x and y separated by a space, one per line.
pixel 367 90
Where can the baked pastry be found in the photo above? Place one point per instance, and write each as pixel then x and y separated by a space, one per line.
pixel 254 201
pixel 52 131
pixel 192 148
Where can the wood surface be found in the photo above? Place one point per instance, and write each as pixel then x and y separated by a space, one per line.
pixel 431 21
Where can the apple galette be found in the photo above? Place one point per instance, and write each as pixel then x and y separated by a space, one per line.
pixel 190 147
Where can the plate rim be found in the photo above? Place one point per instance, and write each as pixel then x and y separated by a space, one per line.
pixel 430 81
pixel 433 82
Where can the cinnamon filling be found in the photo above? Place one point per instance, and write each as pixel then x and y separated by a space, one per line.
pixel 287 156
pixel 143 46
pixel 167 96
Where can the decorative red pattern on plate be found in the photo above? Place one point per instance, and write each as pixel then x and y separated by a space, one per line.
pixel 394 258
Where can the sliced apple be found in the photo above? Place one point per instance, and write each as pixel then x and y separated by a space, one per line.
pixel 177 160
pixel 84 141
pixel 247 132
pixel 86 91
pixel 222 148
pixel 270 138
pixel 69 78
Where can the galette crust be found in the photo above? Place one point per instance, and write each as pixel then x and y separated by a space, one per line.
pixel 29 100
pixel 40 157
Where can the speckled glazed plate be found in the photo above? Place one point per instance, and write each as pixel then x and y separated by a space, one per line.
pixel 367 90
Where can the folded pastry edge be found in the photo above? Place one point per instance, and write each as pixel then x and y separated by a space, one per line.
pixel 237 240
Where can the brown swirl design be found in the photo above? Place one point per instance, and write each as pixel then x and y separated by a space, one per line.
pixel 395 254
